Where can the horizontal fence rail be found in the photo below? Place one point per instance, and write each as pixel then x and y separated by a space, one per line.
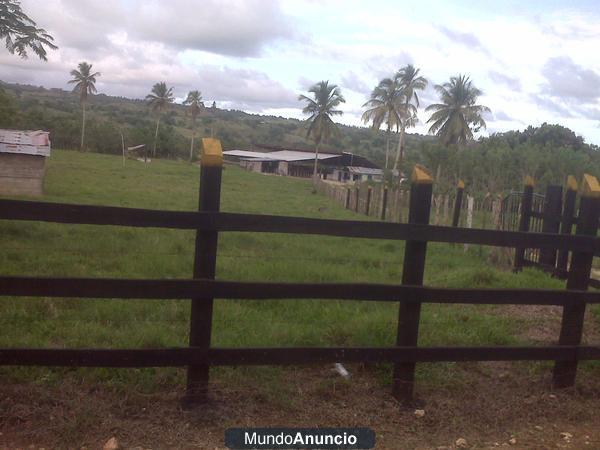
pixel 220 221
pixel 109 288
pixel 202 289
pixel 185 356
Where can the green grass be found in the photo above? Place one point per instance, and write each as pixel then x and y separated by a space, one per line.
pixel 64 250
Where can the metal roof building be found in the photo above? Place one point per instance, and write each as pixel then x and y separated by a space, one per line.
pixel 340 167
pixel 23 161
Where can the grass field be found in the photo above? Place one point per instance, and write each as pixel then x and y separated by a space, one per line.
pixel 65 250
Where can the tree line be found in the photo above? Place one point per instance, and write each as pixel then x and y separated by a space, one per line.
pixel 394 103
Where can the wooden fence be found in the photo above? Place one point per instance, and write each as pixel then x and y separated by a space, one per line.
pixel 392 205
pixel 203 288
pixel 551 212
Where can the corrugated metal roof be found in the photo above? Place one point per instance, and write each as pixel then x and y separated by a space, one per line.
pixel 365 170
pixel 291 155
pixel 25 142
pixel 281 155
pixel 245 154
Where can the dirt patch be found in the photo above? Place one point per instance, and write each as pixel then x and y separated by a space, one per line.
pixel 485 406
pixel 542 323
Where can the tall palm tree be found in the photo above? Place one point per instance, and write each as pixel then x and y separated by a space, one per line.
pixel 159 99
pixel 410 82
pixel 458 116
pixel 384 107
pixel 194 100
pixel 85 84
pixel 325 98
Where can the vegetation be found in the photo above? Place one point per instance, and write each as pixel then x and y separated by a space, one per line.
pixel 498 164
pixel 47 249
pixel 452 119
pixel 195 105
pixel 384 107
pixel 85 84
pixel 158 100
pixel 409 82
pixel 494 164
pixel 21 33
pixel 326 97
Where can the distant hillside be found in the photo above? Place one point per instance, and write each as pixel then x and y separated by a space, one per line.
pixel 495 164
pixel 58 111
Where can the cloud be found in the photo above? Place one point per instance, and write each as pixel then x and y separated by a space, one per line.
pixel 385 66
pixel 501 115
pixel 244 88
pixel 241 28
pixel 355 83
pixel 569 81
pixel 500 78
pixel 468 40
pixel 226 27
pixel 549 104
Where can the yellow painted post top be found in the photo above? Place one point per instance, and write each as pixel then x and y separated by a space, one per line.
pixel 421 175
pixel 571 183
pixel 528 181
pixel 590 186
pixel 461 184
pixel 212 153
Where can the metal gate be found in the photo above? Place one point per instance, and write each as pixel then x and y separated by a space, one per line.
pixel 510 216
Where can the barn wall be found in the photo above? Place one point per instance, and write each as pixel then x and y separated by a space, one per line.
pixel 22 174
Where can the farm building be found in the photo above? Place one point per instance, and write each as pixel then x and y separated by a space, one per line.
pixel 23 161
pixel 342 167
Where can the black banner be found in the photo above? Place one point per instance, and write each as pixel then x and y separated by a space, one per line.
pixel 299 438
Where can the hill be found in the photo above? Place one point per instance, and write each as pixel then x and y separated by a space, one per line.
pixel 58 111
pixel 493 164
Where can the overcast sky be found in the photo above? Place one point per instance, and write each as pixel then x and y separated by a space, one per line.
pixel 536 61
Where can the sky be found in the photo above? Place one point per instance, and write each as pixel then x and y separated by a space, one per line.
pixel 535 61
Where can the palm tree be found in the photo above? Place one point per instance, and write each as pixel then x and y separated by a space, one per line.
pixel 452 119
pixel 325 98
pixel 384 107
pixel 194 100
pixel 85 84
pixel 159 98
pixel 409 82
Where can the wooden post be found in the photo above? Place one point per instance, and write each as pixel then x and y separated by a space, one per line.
pixel 469 224
pixel 446 209
pixel 369 194
pixel 412 274
pixel 348 198
pixel 566 225
pixel 551 223
pixel 526 202
pixel 571 328
pixel 205 259
pixel 399 204
pixel 357 198
pixel 384 202
pixel 458 202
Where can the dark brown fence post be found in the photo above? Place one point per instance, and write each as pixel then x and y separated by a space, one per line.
pixel 357 190
pixel 412 274
pixel 369 194
pixel 571 328
pixel 347 198
pixel 384 202
pixel 205 259
pixel 458 202
pixel 551 223
pixel 568 219
pixel 525 218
